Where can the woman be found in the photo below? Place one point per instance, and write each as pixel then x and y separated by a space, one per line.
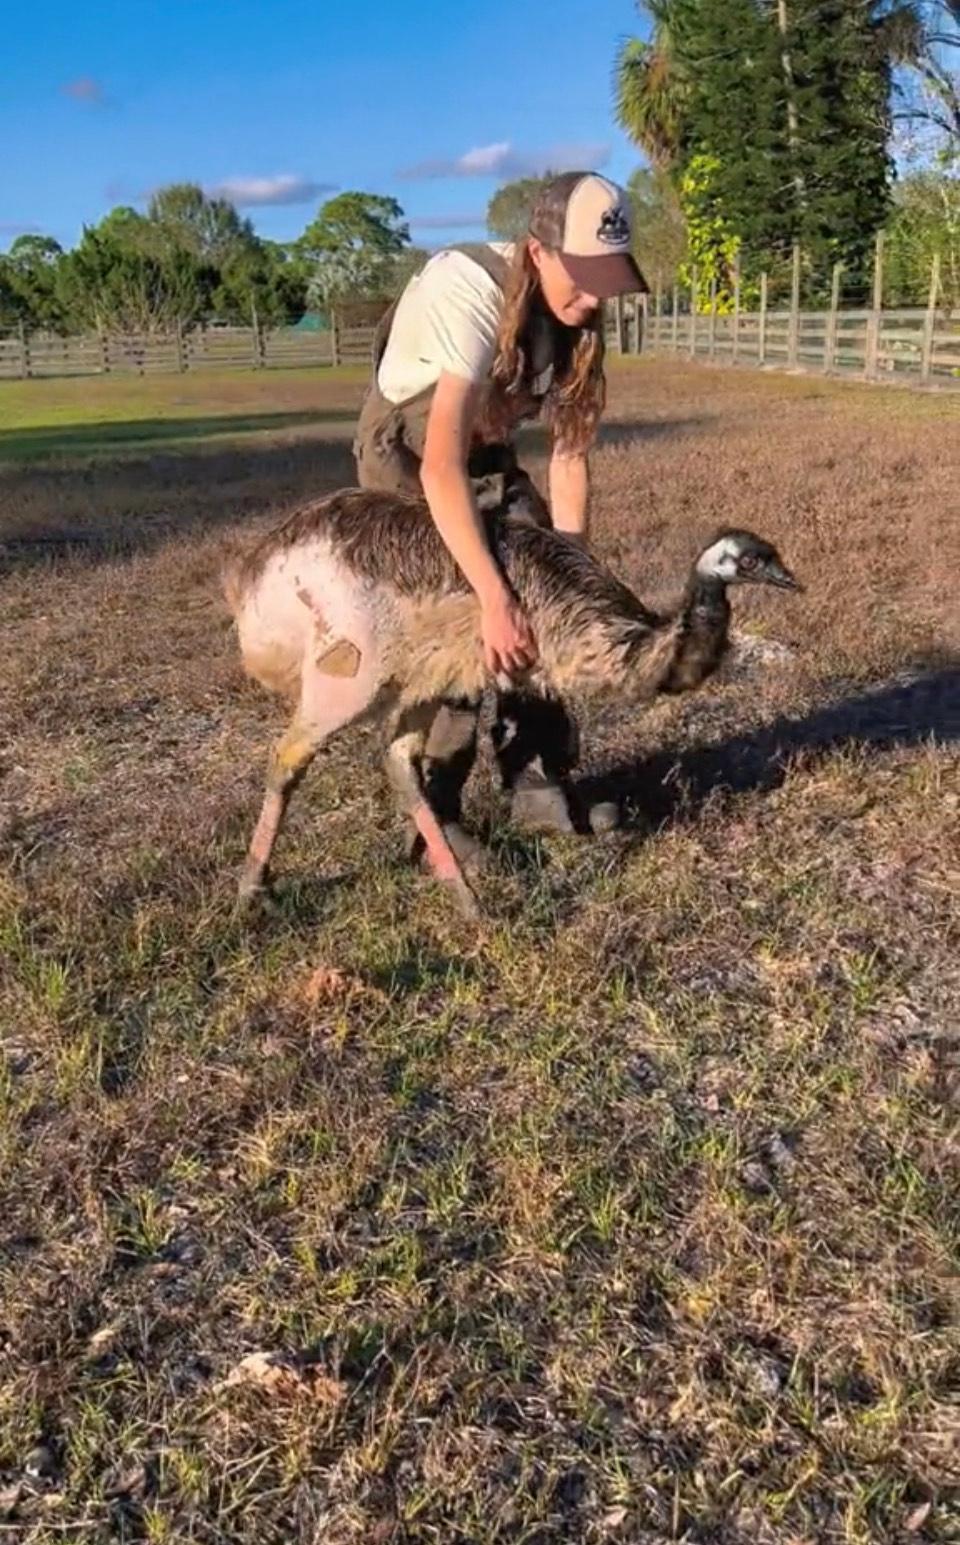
pixel 482 338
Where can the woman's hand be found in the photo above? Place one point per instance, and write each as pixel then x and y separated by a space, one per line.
pixel 509 647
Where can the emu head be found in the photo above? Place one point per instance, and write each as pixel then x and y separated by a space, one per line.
pixel 742 558
pixel 512 494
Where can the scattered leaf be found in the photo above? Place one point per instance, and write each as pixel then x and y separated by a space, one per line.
pixel 915 1521
pixel 328 985
pixel 278 1375
pixel 103 1339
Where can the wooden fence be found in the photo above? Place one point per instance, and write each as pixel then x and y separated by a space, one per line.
pixel 918 345
pixel 25 354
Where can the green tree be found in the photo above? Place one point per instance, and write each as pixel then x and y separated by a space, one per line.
pixel 265 278
pixel 121 278
pixel 30 270
pixel 348 249
pixel 925 224
pixel 9 299
pixel 366 223
pixel 787 126
pixel 208 228
pixel 659 227
pixel 508 212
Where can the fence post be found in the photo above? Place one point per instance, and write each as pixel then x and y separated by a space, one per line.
pixel 619 322
pixel 657 311
pixel 334 339
pixel 693 313
pixel 181 352
pixel 675 330
pixel 793 340
pixel 24 351
pixel 641 322
pixel 762 331
pixel 930 320
pixel 104 351
pixel 258 357
pixel 871 361
pixel 712 347
pixel 736 307
pixel 830 341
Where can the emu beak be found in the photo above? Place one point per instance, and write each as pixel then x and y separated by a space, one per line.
pixel 777 575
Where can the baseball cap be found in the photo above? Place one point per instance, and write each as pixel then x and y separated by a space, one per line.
pixel 585 219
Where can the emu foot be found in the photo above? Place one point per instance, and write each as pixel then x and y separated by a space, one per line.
pixel 470 854
pixel 542 807
pixel 603 817
pixel 441 858
pixel 255 889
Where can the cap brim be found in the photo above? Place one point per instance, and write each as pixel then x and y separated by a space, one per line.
pixel 606 275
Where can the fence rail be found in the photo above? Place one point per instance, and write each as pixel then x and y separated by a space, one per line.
pixel 914 344
pixel 25 354
pixel 919 345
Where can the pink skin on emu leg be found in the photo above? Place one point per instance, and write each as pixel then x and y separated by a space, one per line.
pixel 441 857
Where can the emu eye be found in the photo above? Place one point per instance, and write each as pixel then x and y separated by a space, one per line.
pixel 749 562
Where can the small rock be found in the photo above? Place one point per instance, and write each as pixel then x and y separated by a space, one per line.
pixel 755 1178
pixel 779 1152
pixel 40 1463
pixel 763 1375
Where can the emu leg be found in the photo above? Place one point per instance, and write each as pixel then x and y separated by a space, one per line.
pixel 404 768
pixel 449 751
pixel 328 703
pixel 289 760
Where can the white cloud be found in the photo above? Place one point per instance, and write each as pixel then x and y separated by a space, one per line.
pixel 285 188
pixel 503 159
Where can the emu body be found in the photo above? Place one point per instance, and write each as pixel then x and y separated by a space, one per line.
pixel 354 607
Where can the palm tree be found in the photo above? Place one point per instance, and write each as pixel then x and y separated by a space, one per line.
pixel 649 88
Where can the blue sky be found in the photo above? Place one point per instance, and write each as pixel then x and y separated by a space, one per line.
pixel 281 101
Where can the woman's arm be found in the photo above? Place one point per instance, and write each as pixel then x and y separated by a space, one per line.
pixel 569 481
pixel 508 641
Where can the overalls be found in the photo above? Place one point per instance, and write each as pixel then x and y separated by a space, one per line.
pixel 535 740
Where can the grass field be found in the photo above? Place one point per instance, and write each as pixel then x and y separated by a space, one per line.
pixel 630 1214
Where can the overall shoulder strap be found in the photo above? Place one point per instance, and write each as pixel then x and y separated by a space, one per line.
pixel 492 263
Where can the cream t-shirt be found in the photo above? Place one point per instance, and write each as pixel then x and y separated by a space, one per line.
pixel 447 320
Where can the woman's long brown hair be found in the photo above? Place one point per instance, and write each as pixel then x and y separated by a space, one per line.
pixel 576 398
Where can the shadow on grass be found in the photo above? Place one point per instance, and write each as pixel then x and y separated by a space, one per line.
pixel 135 434
pixel 672 785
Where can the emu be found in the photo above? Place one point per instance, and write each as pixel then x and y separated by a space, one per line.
pixel 354 608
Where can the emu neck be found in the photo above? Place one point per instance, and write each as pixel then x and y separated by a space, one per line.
pixel 706 593
pixel 702 628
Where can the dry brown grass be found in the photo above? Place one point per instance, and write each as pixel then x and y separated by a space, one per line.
pixel 630 1217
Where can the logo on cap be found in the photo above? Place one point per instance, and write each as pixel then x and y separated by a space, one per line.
pixel 613 229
